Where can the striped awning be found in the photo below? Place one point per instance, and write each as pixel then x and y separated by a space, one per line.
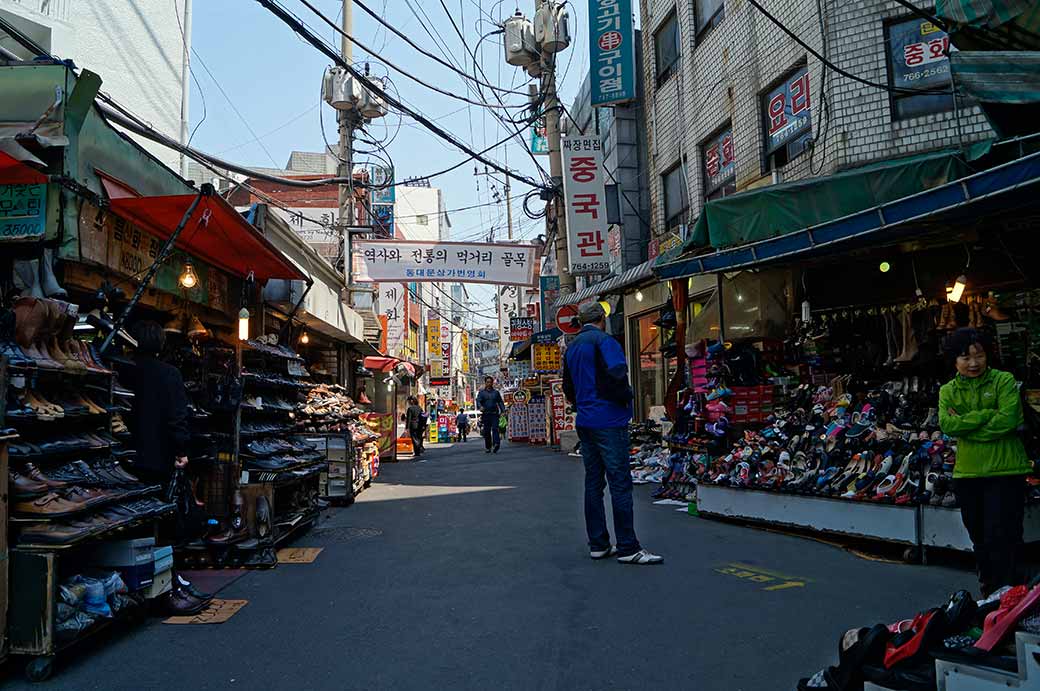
pixel 981 14
pixel 997 76
pixel 608 286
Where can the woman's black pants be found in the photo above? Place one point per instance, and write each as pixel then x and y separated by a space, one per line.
pixel 993 510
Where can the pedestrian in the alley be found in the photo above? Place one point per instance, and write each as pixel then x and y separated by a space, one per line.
pixel 981 408
pixel 491 406
pixel 462 424
pixel 595 381
pixel 415 422
pixel 159 424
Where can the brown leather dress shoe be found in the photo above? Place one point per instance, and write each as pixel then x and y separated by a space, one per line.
pixel 23 487
pixel 49 506
pixel 34 473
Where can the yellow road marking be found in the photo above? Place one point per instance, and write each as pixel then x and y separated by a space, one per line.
pixel 754 574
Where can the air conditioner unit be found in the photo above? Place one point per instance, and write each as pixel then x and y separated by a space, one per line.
pixel 552 28
pixel 339 89
pixel 518 39
pixel 371 105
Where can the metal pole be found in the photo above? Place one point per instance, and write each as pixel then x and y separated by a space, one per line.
pixel 509 210
pixel 347 121
pixel 185 83
pixel 160 259
pixel 551 108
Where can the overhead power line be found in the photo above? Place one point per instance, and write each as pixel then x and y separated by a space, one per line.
pixel 292 22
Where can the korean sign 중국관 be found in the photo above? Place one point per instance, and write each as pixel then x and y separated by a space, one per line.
pixel 787 110
pixel 23 212
pixel 520 328
pixel 584 189
pixel 612 52
pixel 463 262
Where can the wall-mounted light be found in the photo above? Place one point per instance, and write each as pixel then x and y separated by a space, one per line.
pixel 957 291
pixel 188 278
pixel 243 324
pixel 639 296
pixel 305 339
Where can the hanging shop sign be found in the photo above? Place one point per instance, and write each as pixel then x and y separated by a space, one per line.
pixel 508 307
pixel 433 348
pixel 464 345
pixel 383 220
pixel 788 110
pixel 549 293
pixel 563 421
pixel 23 212
pixel 545 358
pixel 585 192
pixel 520 328
pixel 718 160
pixel 381 178
pixel 113 242
pixel 391 305
pixel 917 53
pixel 425 261
pixel 539 140
pixel 445 356
pixel 311 224
pixel 612 52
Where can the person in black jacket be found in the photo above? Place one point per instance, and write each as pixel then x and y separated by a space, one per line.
pixel 159 423
pixel 160 408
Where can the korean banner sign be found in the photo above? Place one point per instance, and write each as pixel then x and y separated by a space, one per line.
pixel 391 304
pixel 787 110
pixel 433 348
pixel 918 54
pixel 585 192
pixel 549 293
pixel 22 212
pixel 464 345
pixel 612 52
pixel 466 262
pixel 520 328
pixel 442 356
pixel 719 161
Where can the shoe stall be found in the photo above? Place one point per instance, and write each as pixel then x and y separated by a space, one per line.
pixel 816 405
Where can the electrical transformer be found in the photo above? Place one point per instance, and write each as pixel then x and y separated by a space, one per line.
pixel 519 42
pixel 339 89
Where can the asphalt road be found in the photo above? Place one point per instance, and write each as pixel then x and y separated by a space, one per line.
pixel 469 571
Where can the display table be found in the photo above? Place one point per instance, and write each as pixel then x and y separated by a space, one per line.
pixel 941 527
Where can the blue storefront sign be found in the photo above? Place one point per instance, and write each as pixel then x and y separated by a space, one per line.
pixel 612 52
pixel 23 212
pixel 381 175
pixel 918 56
pixel 548 293
pixel 788 110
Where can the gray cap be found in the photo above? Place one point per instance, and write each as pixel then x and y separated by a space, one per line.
pixel 591 312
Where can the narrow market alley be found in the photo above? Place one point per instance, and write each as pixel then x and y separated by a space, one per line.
pixel 469 571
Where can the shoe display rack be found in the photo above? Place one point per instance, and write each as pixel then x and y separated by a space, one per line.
pixel 71 493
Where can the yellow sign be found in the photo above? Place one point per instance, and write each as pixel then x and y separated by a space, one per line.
pixel 465 351
pixel 433 348
pixel 545 357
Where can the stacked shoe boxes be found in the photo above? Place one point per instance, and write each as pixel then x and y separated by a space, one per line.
pixel 162 579
pixel 132 558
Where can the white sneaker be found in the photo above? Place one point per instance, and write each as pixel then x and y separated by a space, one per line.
pixel 641 557
pixel 603 553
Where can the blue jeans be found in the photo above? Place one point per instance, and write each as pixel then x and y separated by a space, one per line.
pixel 489 426
pixel 605 452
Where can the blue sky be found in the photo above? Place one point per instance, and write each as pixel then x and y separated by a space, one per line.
pixel 273 78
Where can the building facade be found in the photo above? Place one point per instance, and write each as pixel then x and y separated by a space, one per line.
pixel 137 46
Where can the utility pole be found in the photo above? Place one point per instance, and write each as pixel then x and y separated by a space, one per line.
pixel 185 82
pixel 551 108
pixel 347 122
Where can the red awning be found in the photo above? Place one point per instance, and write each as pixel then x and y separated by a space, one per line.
pixel 216 234
pixel 14 172
pixel 387 364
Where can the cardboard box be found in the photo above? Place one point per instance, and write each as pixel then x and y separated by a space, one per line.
pixel 161 583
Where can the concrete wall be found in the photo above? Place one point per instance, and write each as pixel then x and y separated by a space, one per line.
pixel 723 75
pixel 134 45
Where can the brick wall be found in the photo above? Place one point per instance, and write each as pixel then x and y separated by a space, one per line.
pixel 723 74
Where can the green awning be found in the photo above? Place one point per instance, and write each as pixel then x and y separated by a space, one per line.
pixel 777 210
pixel 983 14
pixel 991 24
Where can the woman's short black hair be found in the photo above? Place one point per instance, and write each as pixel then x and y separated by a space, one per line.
pixel 150 337
pixel 960 341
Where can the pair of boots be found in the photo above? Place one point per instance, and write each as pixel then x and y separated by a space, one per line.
pixel 909 338
pixel 43 335
pixel 35 277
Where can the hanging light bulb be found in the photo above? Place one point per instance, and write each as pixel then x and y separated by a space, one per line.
pixel 243 324
pixel 188 278
pixel 639 296
pixel 305 339
pixel 958 288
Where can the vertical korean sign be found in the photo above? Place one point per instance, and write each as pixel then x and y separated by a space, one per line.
pixel 433 349
pixel 612 52
pixel 788 111
pixel 549 291
pixel 464 345
pixel 391 305
pixel 508 300
pixel 445 355
pixel 585 193
pixel 539 140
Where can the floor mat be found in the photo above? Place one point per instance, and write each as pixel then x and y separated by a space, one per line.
pixel 298 555
pixel 212 580
pixel 217 612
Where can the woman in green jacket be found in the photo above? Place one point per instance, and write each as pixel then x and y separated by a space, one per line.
pixel 981 408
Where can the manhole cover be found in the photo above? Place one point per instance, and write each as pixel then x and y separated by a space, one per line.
pixel 346 533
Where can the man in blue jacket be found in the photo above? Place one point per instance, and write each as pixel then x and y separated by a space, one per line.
pixel 595 381
pixel 490 405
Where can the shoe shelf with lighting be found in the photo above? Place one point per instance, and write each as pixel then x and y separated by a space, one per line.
pixel 73 497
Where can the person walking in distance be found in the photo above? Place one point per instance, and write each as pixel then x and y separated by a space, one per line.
pixel 415 421
pixel 490 405
pixel 595 382
pixel 462 424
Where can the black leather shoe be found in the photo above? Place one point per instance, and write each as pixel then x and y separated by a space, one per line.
pixel 181 603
